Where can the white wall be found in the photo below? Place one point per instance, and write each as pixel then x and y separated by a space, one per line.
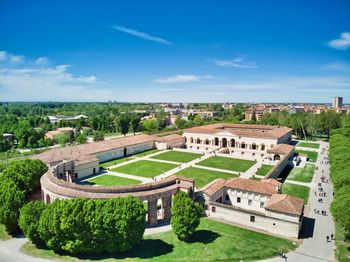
pixel 87 169
pixel 262 222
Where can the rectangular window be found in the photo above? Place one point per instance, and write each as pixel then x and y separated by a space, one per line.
pixel 76 175
pixel 252 218
pixel 213 209
pixel 238 200
pixel 206 207
pixel 262 204
pixel 227 198
pixel 249 202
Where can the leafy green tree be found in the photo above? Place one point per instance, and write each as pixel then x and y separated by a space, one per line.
pixel 29 220
pixel 340 208
pixel 12 199
pixel 99 136
pixel 135 123
pixel 81 138
pixel 150 125
pixel 180 123
pixel 62 138
pixel 4 144
pixel 123 124
pixel 185 216
pixel 197 120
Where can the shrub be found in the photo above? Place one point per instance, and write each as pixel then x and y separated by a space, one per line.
pixel 29 220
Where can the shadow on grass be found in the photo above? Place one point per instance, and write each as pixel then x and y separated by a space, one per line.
pixel 147 248
pixel 203 236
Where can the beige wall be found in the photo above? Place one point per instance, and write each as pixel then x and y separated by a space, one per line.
pixel 87 169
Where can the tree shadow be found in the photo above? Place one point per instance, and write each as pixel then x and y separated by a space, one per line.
pixel 146 249
pixel 307 230
pixel 203 236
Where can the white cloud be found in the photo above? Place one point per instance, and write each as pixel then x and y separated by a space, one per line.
pixel 141 35
pixel 337 67
pixel 180 79
pixel 3 55
pixel 341 43
pixel 16 58
pixel 42 61
pixel 238 62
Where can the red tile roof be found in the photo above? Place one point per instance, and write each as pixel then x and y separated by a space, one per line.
pixel 254 186
pixel 214 186
pixel 283 149
pixel 285 204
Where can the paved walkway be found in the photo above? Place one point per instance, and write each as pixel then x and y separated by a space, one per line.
pixel 315 248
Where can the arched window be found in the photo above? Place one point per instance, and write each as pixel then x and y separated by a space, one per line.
pixel 48 200
pixel 198 140
pixel 233 143
pixel 216 141
pixel 224 142
pixel 191 140
pixel 262 147
pixel 207 141
pixel 254 146
pixel 242 145
pixel 276 157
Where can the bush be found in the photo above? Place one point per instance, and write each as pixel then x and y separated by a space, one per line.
pixel 340 208
pixel 12 199
pixel 93 226
pixel 29 220
pixel 185 216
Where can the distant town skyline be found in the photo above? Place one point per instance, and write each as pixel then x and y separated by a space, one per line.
pixel 241 51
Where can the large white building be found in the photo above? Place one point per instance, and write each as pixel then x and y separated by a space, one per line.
pixel 236 136
pixel 254 204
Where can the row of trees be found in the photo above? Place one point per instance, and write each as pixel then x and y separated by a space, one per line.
pixel 339 155
pixel 17 179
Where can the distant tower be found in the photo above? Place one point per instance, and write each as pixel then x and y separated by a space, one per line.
pixel 337 102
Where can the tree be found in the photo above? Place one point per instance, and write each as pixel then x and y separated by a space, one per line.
pixel 81 138
pixel 197 120
pixel 185 216
pixel 329 120
pixel 123 124
pixel 99 136
pixel 93 226
pixel 12 199
pixel 151 125
pixel 135 123
pixel 180 123
pixel 29 220
pixel 340 208
pixel 4 144
pixel 62 138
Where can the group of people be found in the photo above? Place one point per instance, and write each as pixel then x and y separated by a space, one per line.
pixel 323 212
pixel 330 238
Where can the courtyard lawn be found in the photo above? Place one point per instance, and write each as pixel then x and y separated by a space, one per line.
pixel 228 163
pixel 222 242
pixel 177 156
pixel 264 169
pixel 124 159
pixel 304 174
pixel 296 190
pixel 145 168
pixel 203 176
pixel 309 145
pixel 310 154
pixel 110 180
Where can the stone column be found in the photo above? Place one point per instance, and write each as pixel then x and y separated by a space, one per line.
pixel 152 212
pixel 166 203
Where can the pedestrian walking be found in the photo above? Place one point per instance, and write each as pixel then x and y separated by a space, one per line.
pixel 332 236
pixel 327 238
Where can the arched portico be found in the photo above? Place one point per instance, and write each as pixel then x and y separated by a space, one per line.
pixel 216 141
pixel 232 143
pixel 276 157
pixel 224 142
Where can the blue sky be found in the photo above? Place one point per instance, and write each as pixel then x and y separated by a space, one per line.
pixel 190 51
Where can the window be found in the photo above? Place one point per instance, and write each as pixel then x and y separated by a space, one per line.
pixel 213 209
pixel 76 176
pixel 238 200
pixel 249 202
pixel 205 207
pixel 227 198
pixel 262 204
pixel 252 218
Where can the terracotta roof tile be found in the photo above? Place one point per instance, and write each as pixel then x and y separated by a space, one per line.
pixel 286 204
pixel 214 186
pixel 249 185
pixel 283 149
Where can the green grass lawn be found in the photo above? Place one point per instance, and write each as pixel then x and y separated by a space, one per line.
pixel 145 168
pixel 255 178
pixel 222 242
pixel 342 245
pixel 110 180
pixel 304 174
pixel 177 156
pixel 124 159
pixel 309 145
pixel 3 233
pixel 203 176
pixel 233 164
pixel 264 169
pixel 296 190
pixel 310 154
